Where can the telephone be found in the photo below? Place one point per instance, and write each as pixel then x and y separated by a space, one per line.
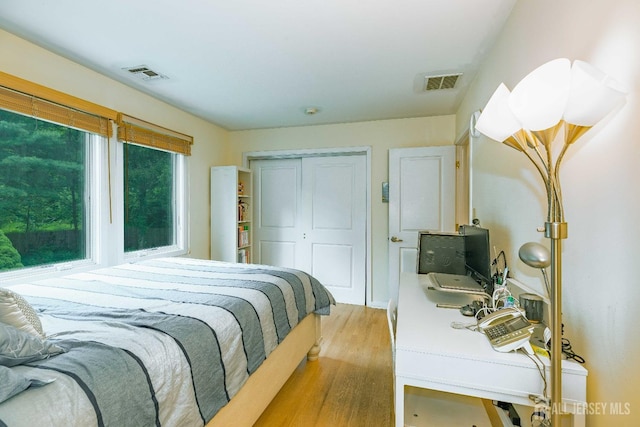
pixel 507 329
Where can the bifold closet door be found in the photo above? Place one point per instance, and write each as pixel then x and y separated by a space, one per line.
pixel 311 215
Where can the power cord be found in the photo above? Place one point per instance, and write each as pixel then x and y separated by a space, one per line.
pixel 569 353
pixel 539 417
pixel 462 325
pixel 541 370
pixel 500 298
pixel 500 276
pixel 503 295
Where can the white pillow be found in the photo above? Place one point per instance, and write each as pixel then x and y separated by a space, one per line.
pixel 17 312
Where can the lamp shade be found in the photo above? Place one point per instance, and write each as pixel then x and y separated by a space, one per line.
pixel 497 121
pixel 535 255
pixel 539 100
pixel 592 95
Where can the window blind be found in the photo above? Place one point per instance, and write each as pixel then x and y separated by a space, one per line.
pixel 28 98
pixel 133 130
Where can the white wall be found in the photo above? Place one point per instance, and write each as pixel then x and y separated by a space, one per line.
pixel 29 62
pixel 599 178
pixel 380 136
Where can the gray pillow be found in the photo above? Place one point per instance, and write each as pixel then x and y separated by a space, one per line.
pixel 17 347
pixel 12 383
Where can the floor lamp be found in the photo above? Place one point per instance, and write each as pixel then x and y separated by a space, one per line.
pixel 557 95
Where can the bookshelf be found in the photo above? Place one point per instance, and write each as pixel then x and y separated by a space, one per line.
pixel 231 214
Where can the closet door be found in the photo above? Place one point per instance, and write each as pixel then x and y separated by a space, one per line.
pixel 334 224
pixel 277 198
pixel 310 214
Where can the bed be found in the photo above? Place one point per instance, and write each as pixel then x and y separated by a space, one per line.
pixel 165 342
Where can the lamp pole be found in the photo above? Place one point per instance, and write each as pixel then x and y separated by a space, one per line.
pixel 556 231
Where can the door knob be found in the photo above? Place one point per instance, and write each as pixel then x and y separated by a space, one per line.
pixel 395 239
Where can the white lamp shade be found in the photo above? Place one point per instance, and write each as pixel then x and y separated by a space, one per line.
pixel 497 121
pixel 592 96
pixel 539 100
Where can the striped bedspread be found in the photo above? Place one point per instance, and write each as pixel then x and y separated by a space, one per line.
pixel 161 342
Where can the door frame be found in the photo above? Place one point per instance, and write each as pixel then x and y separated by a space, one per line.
pixel 463 180
pixel 330 152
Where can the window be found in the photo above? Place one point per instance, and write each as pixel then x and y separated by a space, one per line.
pixel 154 187
pixel 149 198
pixel 43 213
pixel 67 201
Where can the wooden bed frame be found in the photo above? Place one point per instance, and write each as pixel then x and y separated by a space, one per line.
pixel 249 403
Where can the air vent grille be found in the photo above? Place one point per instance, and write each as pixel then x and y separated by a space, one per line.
pixel 441 82
pixel 145 73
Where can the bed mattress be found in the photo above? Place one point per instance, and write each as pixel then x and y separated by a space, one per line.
pixel 160 342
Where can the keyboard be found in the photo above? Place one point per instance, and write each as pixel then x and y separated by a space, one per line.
pixel 456 282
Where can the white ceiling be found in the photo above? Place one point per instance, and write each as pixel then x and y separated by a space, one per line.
pixel 248 64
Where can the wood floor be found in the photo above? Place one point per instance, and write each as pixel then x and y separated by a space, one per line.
pixel 350 384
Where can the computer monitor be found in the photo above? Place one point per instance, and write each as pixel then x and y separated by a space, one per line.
pixel 477 252
pixel 440 252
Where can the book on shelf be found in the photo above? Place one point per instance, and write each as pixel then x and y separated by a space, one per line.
pixel 243 235
pixel 244 256
pixel 243 211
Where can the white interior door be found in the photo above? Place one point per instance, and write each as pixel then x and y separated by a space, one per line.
pixel 310 214
pixel 421 197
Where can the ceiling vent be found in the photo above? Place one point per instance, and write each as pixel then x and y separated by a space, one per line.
pixel 440 82
pixel 144 73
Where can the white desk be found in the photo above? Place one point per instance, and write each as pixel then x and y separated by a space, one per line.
pixel 431 354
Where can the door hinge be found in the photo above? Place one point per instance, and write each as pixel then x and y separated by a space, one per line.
pixel 457 164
